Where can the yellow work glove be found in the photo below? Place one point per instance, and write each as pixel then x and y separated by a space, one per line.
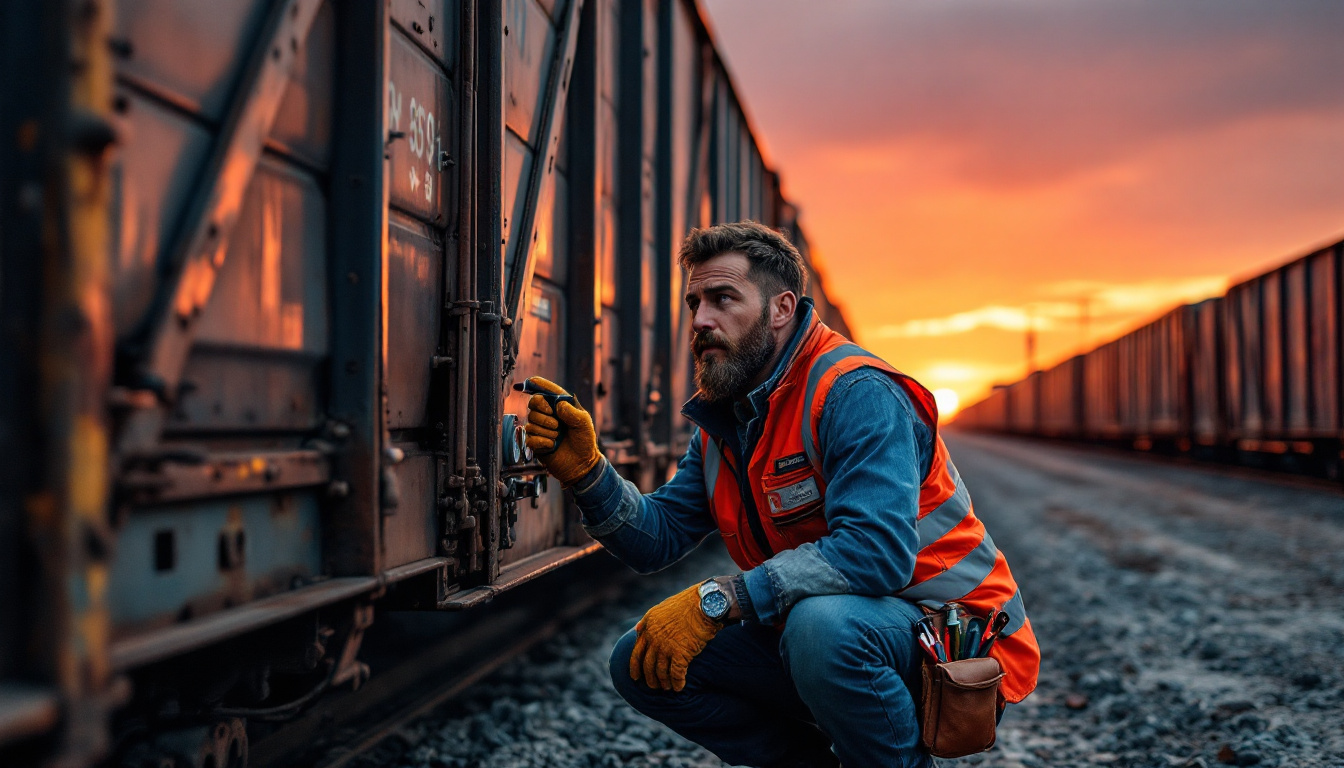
pixel 571 456
pixel 671 634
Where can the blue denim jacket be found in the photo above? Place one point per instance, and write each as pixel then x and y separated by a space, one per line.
pixel 875 451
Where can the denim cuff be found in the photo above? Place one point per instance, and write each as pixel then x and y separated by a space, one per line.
pixel 600 496
pixel 743 596
pixel 761 591
pixel 589 480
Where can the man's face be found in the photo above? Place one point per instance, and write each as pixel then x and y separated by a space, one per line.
pixel 731 326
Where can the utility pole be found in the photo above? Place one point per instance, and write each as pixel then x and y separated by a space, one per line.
pixel 1084 321
pixel 1031 339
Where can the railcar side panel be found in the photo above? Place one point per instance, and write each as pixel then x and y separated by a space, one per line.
pixel 1323 355
pixel 1207 411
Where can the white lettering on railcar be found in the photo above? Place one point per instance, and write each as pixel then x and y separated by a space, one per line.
pixel 422 138
pixel 393 107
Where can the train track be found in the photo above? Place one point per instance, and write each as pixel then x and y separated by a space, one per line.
pixel 422 660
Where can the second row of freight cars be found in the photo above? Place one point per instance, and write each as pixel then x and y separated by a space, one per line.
pixel 1255 374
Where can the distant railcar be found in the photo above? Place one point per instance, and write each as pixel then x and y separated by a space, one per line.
pixel 1256 375
pixel 271 270
pixel 1024 405
pixel 1061 399
pixel 989 414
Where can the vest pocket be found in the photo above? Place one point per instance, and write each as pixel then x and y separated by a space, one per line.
pixel 792 497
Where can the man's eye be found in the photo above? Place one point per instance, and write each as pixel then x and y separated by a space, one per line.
pixel 722 298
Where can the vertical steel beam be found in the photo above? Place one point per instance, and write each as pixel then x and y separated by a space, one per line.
pixel 358 223
pixel 489 273
pixel 630 224
pixel 664 345
pixel 581 282
pixel 57 344
pixel 581 288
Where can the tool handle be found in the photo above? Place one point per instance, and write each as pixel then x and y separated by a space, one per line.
pixel 554 400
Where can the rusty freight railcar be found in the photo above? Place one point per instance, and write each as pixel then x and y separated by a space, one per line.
pixel 1061 399
pixel 1281 364
pixel 1024 405
pixel 1204 355
pixel 1154 396
pixel 989 414
pixel 1101 397
pixel 1255 376
pixel 268 270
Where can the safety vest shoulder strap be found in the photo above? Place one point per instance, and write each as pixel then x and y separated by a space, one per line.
pixel 831 365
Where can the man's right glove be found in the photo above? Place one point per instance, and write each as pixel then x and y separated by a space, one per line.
pixel 567 454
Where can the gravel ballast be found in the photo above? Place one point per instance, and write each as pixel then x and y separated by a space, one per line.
pixel 1187 618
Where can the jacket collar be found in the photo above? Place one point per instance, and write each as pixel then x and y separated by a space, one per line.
pixel 717 418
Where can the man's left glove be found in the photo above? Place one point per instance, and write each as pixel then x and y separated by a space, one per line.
pixel 671 634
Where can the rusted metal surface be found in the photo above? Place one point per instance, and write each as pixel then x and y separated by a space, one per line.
pixel 539 190
pixel 415 265
pixel 351 533
pixel 336 229
pixel 155 646
pixel 198 251
pixel 420 124
pixel 56 178
pixel 198 475
pixel 186 559
pixel 516 574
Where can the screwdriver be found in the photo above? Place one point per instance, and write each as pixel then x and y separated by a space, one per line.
pixel 554 400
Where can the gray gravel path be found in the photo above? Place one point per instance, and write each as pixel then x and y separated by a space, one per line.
pixel 1188 618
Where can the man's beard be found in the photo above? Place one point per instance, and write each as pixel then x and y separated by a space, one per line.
pixel 729 377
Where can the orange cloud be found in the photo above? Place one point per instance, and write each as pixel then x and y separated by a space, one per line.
pixel 972 168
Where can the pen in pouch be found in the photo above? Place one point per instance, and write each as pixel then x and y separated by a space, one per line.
pixel 953 633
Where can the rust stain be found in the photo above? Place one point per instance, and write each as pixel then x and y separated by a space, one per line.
pixel 88 455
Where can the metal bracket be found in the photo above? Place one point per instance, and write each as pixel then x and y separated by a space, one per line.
pixel 542 173
pixel 197 251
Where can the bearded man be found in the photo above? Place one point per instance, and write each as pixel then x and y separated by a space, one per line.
pixel 821 467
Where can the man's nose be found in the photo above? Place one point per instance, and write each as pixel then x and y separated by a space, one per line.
pixel 702 321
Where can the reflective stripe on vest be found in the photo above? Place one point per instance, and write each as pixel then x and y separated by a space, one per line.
pixel 947 515
pixel 1017 614
pixel 958 581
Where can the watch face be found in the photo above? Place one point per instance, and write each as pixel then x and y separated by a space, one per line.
pixel 714 605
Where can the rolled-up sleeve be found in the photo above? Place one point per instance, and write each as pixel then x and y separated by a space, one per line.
pixel 875 452
pixel 647 532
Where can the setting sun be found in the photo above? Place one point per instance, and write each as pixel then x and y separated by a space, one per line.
pixel 947 401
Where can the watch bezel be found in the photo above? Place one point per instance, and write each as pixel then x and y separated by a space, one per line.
pixel 722 595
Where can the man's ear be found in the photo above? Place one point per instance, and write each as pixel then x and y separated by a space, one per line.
pixel 782 308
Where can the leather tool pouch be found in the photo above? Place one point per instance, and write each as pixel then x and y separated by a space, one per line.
pixel 959 706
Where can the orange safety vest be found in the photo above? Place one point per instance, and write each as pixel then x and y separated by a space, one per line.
pixel 957 559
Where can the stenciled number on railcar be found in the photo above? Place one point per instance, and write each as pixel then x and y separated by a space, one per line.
pixel 421 135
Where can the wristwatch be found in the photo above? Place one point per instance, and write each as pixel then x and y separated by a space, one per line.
pixel 714 600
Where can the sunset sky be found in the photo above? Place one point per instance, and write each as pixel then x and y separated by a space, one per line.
pixel 967 166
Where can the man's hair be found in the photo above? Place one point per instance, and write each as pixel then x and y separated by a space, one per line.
pixel 776 266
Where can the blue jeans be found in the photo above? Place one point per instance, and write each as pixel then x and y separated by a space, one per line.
pixel 844 670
